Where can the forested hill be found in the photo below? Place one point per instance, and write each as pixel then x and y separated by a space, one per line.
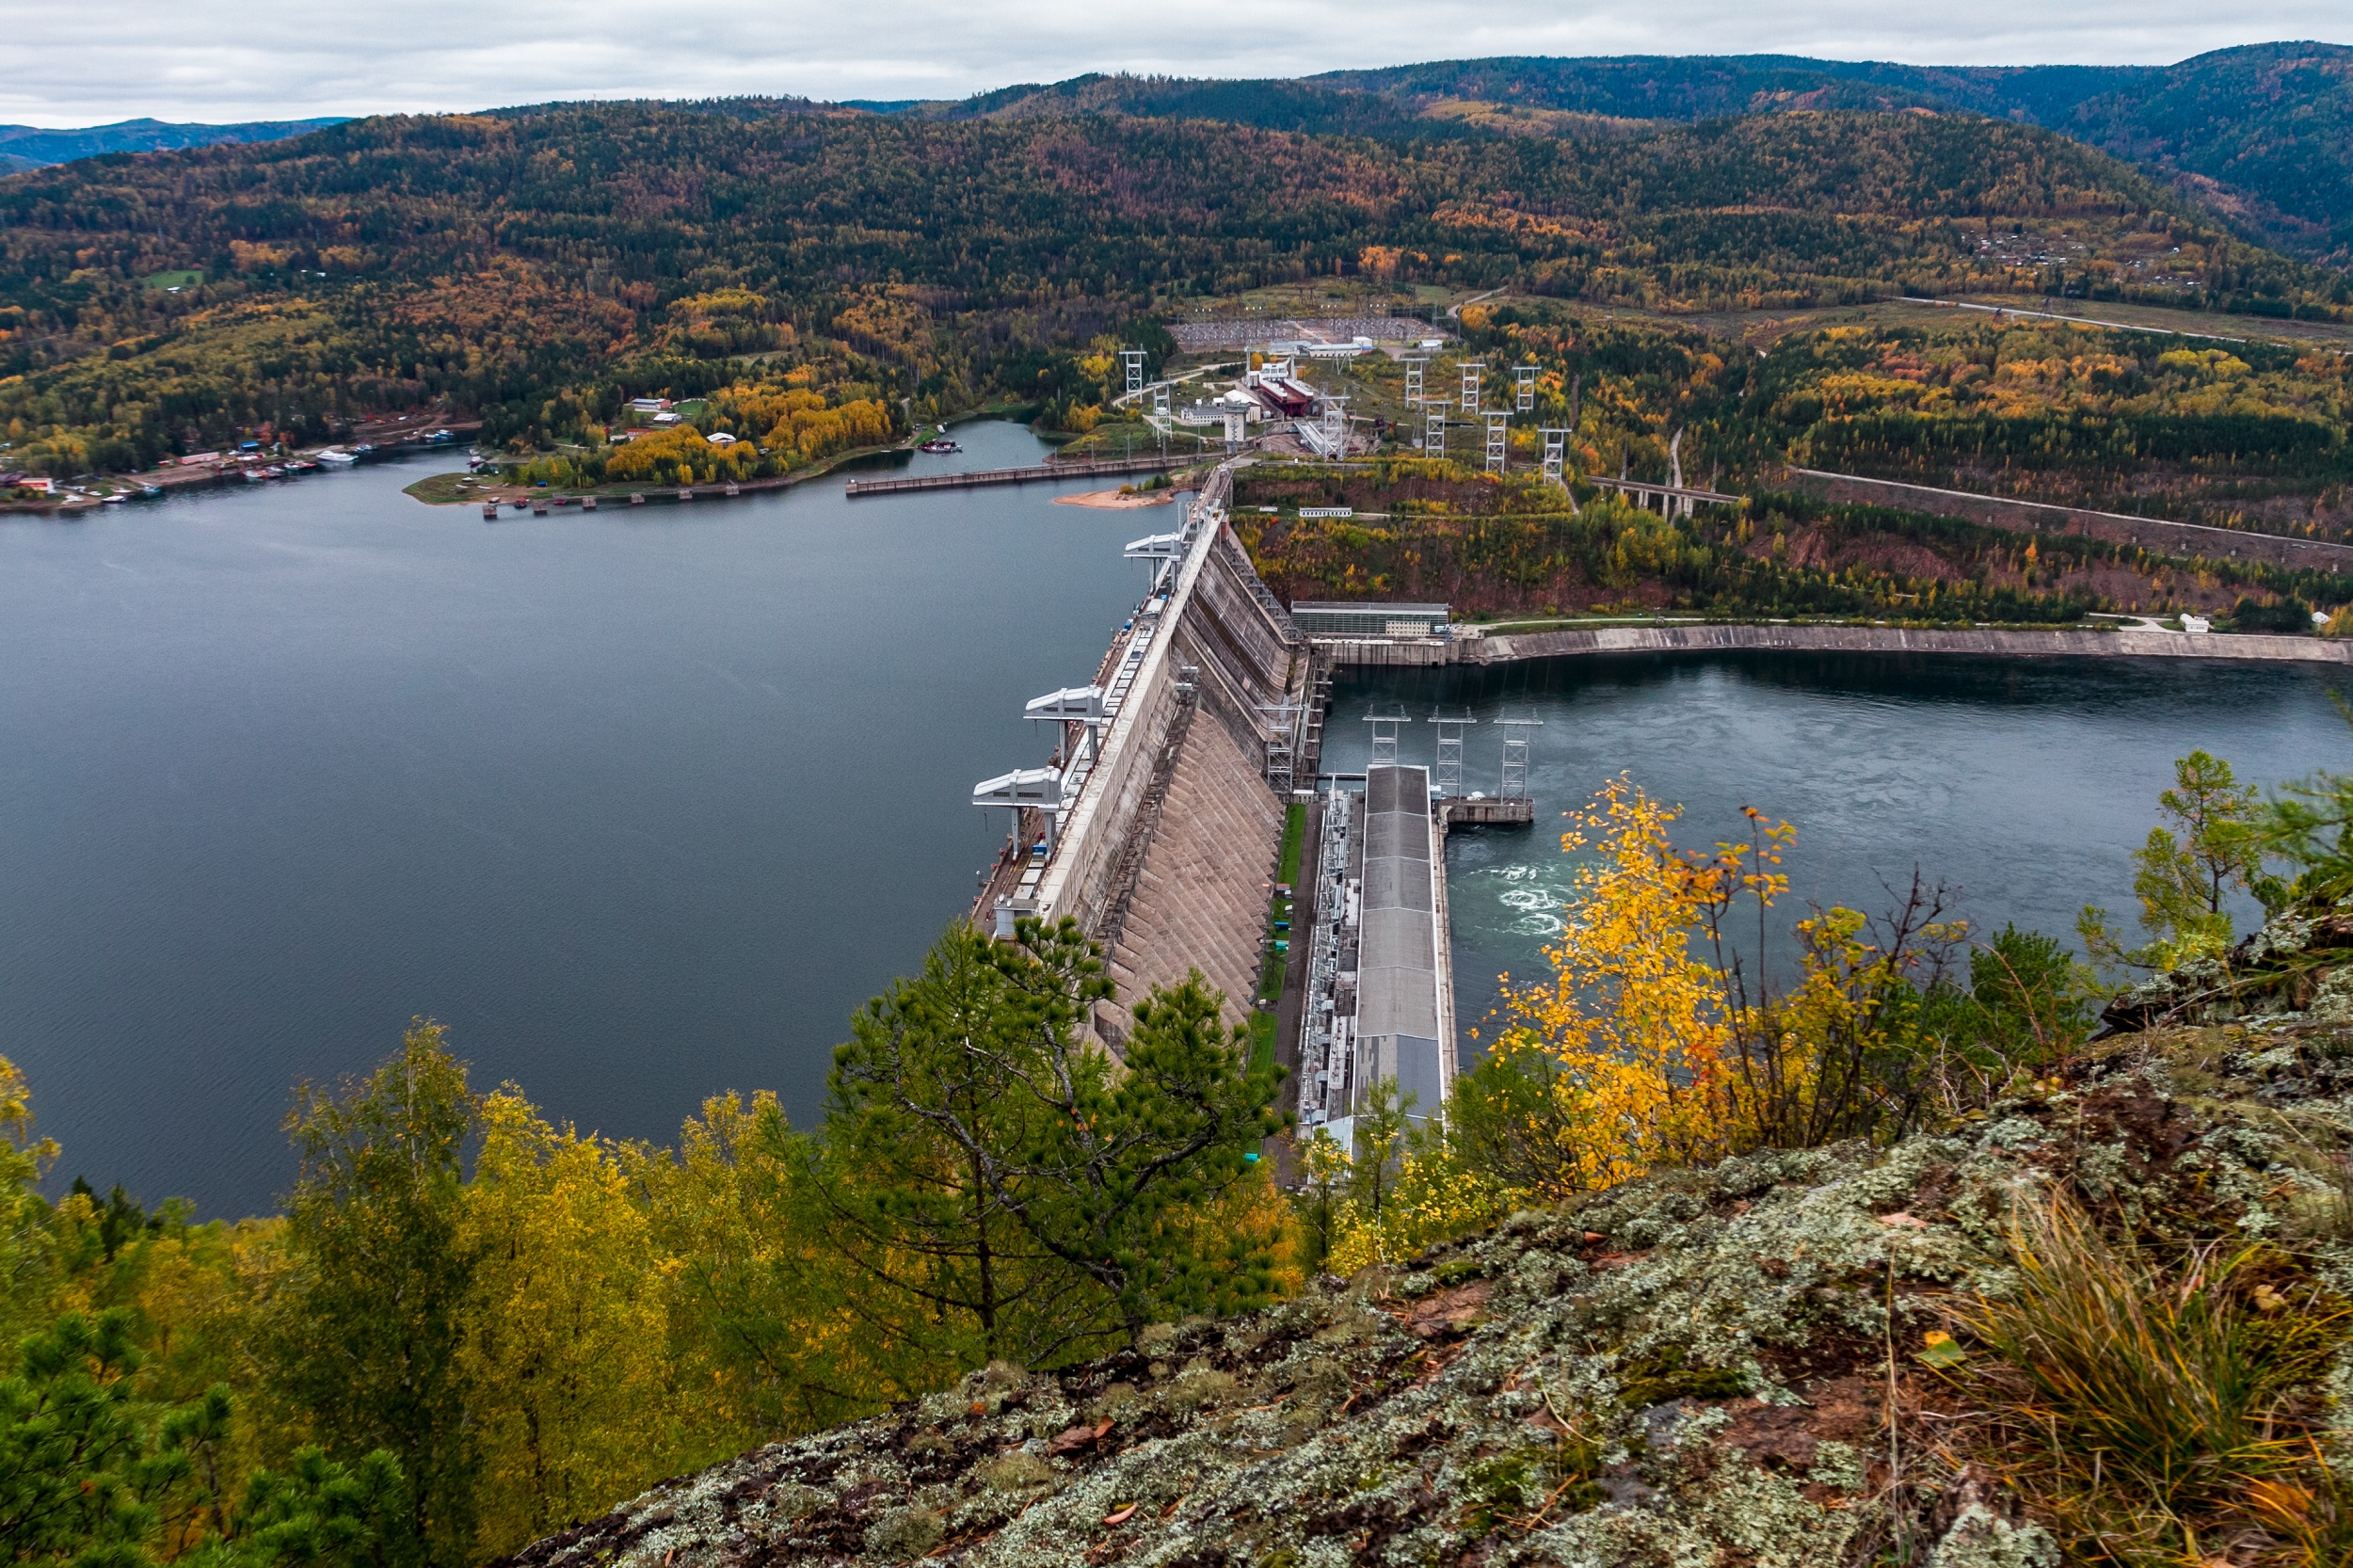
pixel 2264 134
pixel 24 147
pixel 539 266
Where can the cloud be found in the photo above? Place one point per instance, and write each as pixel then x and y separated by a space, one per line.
pixel 269 59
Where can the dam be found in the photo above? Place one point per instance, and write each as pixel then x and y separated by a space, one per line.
pixel 1157 822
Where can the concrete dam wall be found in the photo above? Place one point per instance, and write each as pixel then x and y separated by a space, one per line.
pixel 1167 843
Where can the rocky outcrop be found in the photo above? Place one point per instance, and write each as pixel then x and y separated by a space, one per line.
pixel 2297 972
pixel 1714 1366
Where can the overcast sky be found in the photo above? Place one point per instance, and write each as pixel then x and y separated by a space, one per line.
pixel 80 64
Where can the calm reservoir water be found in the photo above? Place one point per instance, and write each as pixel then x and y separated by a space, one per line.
pixel 2022 784
pixel 640 805
pixel 643 805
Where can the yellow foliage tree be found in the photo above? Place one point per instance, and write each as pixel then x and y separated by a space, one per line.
pixel 1640 1022
pixel 761 1310
pixel 25 1270
pixel 566 1347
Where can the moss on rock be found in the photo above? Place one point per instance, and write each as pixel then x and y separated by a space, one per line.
pixel 1705 1365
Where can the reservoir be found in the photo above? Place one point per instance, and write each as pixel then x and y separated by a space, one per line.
pixel 641 803
pixel 2022 784
pixel 644 804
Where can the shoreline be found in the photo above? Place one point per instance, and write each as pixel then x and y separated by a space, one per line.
pixel 1114 500
pixel 2134 643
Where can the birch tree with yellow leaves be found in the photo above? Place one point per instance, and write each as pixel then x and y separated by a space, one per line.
pixel 568 1341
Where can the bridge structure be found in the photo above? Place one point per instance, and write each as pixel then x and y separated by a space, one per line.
pixel 1670 500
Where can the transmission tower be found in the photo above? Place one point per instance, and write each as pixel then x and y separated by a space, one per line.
pixel 1516 740
pixel 1336 426
pixel 1498 438
pixel 1132 359
pixel 1434 427
pixel 1385 722
pixel 1555 453
pixel 1413 393
pixel 1472 371
pixel 1445 779
pixel 1524 389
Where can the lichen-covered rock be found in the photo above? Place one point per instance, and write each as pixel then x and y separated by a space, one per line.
pixel 1716 1365
pixel 2297 971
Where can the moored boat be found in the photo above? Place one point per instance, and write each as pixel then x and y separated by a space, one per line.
pixel 335 456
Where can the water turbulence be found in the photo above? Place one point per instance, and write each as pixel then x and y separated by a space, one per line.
pixel 2022 785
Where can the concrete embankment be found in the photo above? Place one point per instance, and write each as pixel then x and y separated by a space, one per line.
pixel 1887 639
pixel 2039 516
pixel 1165 854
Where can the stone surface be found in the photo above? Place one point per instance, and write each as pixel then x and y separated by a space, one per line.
pixel 1691 1369
pixel 1204 890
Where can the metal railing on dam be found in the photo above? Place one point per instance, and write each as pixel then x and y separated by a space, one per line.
pixel 2127 644
pixel 1111 468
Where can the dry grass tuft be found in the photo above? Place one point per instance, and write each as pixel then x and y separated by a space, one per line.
pixel 2150 1408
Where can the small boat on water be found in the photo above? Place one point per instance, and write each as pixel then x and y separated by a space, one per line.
pixel 117 498
pixel 302 465
pixel 939 444
pixel 363 450
pixel 335 456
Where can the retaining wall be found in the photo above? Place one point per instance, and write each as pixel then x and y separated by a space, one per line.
pixel 1201 895
pixel 2038 517
pixel 1887 639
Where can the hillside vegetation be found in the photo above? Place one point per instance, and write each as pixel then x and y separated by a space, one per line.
pixel 2263 134
pixel 538 267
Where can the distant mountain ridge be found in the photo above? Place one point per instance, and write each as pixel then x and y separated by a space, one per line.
pixel 2262 133
pixel 24 147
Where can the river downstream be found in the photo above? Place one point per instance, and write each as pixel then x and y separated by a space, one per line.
pixel 2022 784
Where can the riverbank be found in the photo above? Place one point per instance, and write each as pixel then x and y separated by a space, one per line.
pixel 2122 643
pixel 1117 500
